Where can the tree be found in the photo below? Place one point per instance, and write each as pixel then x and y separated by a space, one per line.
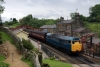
pixel 72 15
pixel 82 18
pixel 35 22
pixel 1 11
pixel 14 20
pixel 94 13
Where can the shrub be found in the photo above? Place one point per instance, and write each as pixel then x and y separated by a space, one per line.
pixel 2 64
pixel 45 65
pixel 52 58
pixel 0 41
pixel 27 44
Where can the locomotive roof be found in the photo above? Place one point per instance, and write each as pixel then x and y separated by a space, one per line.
pixel 63 37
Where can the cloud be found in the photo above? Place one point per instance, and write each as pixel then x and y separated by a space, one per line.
pixel 88 3
pixel 46 8
pixel 9 15
pixel 70 1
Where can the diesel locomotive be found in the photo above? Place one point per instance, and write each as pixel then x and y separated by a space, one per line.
pixel 67 43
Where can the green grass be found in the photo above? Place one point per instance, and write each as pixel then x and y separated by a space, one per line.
pixel 55 63
pixel 6 37
pixel 14 25
pixel 28 62
pixel 2 58
pixel 2 64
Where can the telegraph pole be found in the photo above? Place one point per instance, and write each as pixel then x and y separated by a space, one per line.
pixel 1 11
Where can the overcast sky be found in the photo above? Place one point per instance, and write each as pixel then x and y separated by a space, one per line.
pixel 46 8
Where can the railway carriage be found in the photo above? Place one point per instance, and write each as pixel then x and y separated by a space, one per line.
pixel 37 34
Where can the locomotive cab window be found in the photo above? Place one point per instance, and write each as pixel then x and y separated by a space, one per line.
pixel 73 42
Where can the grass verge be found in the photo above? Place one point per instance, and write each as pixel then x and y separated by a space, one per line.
pixel 2 64
pixel 55 63
pixel 6 37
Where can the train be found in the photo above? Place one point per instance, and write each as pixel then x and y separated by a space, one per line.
pixel 66 43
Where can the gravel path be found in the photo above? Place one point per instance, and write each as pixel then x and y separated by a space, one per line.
pixel 15 62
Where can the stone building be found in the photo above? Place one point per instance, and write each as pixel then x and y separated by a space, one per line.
pixel 52 29
pixel 67 27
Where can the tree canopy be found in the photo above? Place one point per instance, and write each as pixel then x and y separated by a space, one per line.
pixel 94 13
pixel 82 18
pixel 35 22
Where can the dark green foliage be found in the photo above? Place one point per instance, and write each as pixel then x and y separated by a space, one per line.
pixel 2 64
pixel 14 20
pixel 0 41
pixel 52 58
pixel 27 44
pixel 35 22
pixel 94 13
pixel 36 50
pixel 45 65
pixel 72 15
pixel 82 18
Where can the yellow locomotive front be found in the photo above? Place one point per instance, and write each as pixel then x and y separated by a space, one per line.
pixel 76 46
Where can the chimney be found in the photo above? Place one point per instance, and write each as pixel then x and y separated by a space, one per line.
pixel 77 19
pixel 67 17
pixel 61 19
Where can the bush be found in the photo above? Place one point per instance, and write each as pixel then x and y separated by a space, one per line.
pixel 2 64
pixel 45 65
pixel 52 58
pixel 27 44
pixel 0 41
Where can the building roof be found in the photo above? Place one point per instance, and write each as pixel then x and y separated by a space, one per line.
pixel 19 30
pixel 91 33
pixel 48 26
pixel 45 26
pixel 52 26
pixel 66 21
pixel 79 29
pixel 95 40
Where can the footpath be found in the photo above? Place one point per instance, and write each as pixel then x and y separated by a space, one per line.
pixel 38 46
pixel 14 58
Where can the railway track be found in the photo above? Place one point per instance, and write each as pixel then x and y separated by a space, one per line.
pixel 79 60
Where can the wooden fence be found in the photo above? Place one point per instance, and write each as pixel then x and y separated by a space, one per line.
pixel 26 53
